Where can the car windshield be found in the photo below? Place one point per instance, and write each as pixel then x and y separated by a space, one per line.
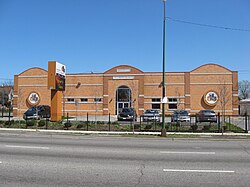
pixel 208 112
pixel 152 111
pixel 126 110
pixel 31 109
pixel 181 112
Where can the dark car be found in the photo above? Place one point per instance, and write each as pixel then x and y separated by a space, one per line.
pixel 206 116
pixel 151 115
pixel 37 112
pixel 127 114
pixel 180 116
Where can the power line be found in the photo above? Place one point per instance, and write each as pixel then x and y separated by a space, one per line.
pixel 244 70
pixel 206 25
pixel 5 79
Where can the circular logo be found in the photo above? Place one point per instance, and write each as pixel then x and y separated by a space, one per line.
pixel 33 98
pixel 211 98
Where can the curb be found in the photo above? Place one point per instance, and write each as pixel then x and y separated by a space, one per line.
pixel 121 132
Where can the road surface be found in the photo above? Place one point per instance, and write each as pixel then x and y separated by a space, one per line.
pixel 77 160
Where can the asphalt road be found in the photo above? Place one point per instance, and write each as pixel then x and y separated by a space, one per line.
pixel 64 160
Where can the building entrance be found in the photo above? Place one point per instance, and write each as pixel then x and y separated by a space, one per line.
pixel 123 98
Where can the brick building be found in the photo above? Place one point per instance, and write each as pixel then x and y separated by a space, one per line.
pixel 125 86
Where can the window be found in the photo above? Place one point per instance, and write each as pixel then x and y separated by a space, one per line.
pixel 172 103
pixel 71 100
pixel 84 100
pixel 172 100
pixel 156 106
pixel 97 99
pixel 156 103
pixel 172 106
pixel 156 99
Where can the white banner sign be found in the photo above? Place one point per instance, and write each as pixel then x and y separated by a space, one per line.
pixel 60 69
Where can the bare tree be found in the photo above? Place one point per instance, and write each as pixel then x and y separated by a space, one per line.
pixel 8 83
pixel 134 90
pixel 177 94
pixel 244 89
pixel 97 100
pixel 224 98
pixel 7 93
pixel 20 104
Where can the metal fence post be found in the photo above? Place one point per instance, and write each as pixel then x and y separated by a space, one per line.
pixel 229 122
pixel 246 127
pixel 155 123
pixel 87 121
pixel 9 116
pixel 67 126
pixel 46 123
pixel 218 122
pixel 140 123
pixel 109 121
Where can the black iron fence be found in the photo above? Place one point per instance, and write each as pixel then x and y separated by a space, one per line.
pixel 6 112
pixel 227 123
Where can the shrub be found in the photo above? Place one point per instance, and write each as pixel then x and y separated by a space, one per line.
pixel 194 127
pixel 31 122
pixel 7 123
pixel 55 126
pixel 137 126
pixel 100 122
pixel 206 127
pixel 115 125
pixel 41 123
pixel 67 124
pixel 79 126
pixel 147 127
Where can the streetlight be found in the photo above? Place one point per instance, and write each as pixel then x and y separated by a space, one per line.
pixel 163 131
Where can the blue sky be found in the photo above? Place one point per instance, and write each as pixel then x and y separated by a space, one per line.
pixel 95 35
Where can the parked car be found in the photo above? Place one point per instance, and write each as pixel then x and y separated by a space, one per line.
pixel 37 112
pixel 180 116
pixel 127 114
pixel 151 115
pixel 206 116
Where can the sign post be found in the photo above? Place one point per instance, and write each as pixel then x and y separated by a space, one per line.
pixel 56 83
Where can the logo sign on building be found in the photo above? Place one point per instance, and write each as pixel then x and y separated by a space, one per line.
pixel 123 70
pixel 123 77
pixel 33 98
pixel 56 76
pixel 60 76
pixel 211 98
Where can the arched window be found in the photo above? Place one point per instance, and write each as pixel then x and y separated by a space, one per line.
pixel 123 98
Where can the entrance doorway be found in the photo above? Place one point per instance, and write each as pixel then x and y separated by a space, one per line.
pixel 123 98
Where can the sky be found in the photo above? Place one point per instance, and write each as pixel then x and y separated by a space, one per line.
pixel 96 35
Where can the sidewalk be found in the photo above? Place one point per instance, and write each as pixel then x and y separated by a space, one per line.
pixel 122 132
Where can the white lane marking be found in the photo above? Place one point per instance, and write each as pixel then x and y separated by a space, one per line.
pixel 25 147
pixel 198 171
pixel 1 162
pixel 198 153
pixel 196 147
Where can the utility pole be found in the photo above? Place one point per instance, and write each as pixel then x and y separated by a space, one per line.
pixel 163 131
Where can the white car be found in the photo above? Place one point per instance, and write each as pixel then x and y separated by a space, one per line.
pixel 151 115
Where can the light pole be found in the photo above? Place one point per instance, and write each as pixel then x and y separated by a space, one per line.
pixel 163 131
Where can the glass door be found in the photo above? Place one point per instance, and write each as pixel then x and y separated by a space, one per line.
pixel 121 105
pixel 123 98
